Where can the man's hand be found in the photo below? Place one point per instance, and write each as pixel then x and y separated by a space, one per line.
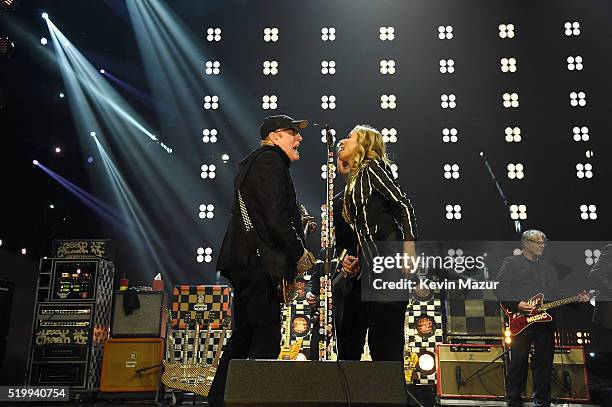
pixel 584 297
pixel 350 266
pixel 525 307
pixel 311 299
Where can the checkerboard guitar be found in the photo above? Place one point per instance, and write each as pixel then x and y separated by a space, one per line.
pixel 427 316
pixel 192 299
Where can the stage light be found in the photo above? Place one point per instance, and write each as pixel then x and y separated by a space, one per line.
pixel 394 170
pixel 44 16
pixel 269 102
pixel 24 251
pixel 388 101
pixel 510 100
pixel 213 34
pixel 577 99
pixel 58 150
pixel 591 354
pixel 92 134
pixel 427 363
pixel 449 135
pixel 225 158
pixel 270 34
pixel 506 31
pixel 212 68
pixel 581 133
pixel 35 162
pixel 453 211
pixel 448 101
pixel 51 206
pixel 206 211
pixel 9 4
pixel 447 66
pixel 61 95
pixel 211 102
pixel 387 66
pixel 589 154
pixel 102 71
pixel 591 256
pixel 451 171
pixel 508 65
pixel 270 67
pixel 584 170
pixel 43 41
pixel 0 242
pixel 328 33
pixel 386 33
pixel 209 135
pixel 574 63
pixel 328 67
pixel 588 212
pixel 518 212
pixel 332 132
pixel 324 171
pixel 445 33
pixel 90 160
pixel 204 255
pixel 515 171
pixel 328 102
pixel 513 134
pixel 389 135
pixel 572 28
pixel 6 46
pixel 208 171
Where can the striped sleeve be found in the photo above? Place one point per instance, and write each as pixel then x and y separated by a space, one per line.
pixel 403 211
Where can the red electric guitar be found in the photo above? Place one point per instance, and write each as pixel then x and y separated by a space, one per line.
pixel 519 320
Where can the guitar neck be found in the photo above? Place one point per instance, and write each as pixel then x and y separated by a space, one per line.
pixel 558 303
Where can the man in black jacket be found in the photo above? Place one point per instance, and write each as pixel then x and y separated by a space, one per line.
pixel 600 278
pixel 269 204
pixel 520 278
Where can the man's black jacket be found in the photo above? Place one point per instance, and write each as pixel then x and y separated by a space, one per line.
pixel 600 278
pixel 269 196
pixel 520 279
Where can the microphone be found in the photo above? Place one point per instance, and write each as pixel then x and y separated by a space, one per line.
pixel 458 376
pixel 567 381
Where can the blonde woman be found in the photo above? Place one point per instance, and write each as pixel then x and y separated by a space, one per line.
pixel 377 210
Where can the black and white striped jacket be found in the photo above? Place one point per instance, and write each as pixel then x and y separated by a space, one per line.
pixel 377 205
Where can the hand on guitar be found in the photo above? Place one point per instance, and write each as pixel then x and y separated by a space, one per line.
pixel 311 299
pixel 584 297
pixel 525 308
pixel 350 266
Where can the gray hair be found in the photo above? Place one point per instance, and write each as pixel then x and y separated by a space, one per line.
pixel 531 234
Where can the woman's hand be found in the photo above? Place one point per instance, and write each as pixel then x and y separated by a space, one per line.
pixel 350 266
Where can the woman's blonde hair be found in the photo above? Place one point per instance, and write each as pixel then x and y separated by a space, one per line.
pixel 370 145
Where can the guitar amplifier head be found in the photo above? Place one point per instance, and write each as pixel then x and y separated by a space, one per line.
pixel 147 321
pixel 123 360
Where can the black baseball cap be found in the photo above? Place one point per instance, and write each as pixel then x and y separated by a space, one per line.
pixel 273 123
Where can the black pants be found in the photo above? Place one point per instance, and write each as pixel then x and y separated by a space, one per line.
pixel 386 329
pixel 256 329
pixel 541 335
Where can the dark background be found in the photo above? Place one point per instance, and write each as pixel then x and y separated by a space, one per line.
pixel 34 119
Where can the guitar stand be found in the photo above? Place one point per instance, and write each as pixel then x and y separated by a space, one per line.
pixel 501 355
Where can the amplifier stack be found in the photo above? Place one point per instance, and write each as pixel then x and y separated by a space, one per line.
pixel 72 322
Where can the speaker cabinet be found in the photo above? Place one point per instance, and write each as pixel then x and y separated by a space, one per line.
pixel 321 384
pixel 457 366
pixel 569 375
pixel 124 357
pixel 148 321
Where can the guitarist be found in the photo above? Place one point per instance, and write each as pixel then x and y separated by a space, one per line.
pixel 520 278
pixel 269 200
